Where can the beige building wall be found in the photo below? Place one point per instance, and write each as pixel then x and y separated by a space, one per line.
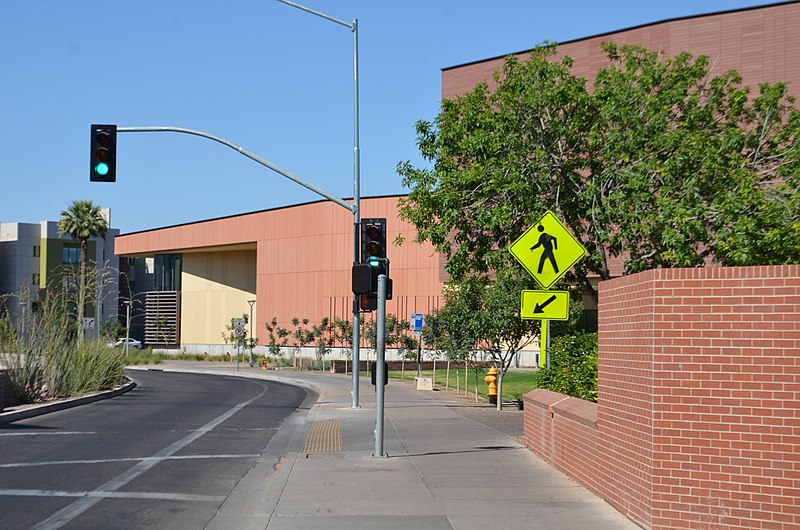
pixel 296 261
pixel 216 286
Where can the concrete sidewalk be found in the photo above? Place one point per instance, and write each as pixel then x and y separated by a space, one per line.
pixel 441 470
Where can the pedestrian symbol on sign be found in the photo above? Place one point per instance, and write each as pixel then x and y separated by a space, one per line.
pixel 548 243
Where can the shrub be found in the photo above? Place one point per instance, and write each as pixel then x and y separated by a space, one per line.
pixel 573 366
pixel 90 367
pixel 44 360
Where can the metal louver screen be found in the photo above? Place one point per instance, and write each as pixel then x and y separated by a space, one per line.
pixel 162 322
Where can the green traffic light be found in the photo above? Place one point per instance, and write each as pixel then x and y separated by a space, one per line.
pixel 101 169
pixel 374 262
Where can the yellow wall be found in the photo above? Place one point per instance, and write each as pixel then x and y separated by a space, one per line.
pixel 215 289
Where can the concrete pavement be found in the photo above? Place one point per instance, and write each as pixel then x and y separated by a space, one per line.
pixel 440 470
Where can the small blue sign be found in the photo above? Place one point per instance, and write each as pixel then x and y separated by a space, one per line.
pixel 416 322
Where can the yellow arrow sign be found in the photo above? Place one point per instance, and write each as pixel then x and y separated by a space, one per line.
pixel 547 250
pixel 544 305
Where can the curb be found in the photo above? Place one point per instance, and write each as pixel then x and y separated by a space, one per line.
pixel 269 374
pixel 46 408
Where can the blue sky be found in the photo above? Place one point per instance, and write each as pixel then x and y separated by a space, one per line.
pixel 260 74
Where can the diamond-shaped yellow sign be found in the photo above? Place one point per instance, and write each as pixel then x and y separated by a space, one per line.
pixel 547 250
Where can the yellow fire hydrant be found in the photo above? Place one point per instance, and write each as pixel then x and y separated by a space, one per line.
pixel 491 381
pixel 264 363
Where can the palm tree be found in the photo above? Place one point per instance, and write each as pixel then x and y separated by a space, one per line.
pixel 82 220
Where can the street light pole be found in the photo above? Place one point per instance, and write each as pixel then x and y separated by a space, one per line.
pixel 127 325
pixel 251 302
pixel 352 26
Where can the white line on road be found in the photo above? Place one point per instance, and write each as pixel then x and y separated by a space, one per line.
pixel 111 460
pixel 78 433
pixel 97 494
pixel 67 514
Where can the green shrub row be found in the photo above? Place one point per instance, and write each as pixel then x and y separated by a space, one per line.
pixel 573 366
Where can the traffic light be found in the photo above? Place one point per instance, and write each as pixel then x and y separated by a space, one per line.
pixel 103 154
pixel 373 264
pixel 367 302
pixel 364 279
pixel 373 241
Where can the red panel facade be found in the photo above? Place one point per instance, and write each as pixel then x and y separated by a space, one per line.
pixel 304 255
pixel 761 43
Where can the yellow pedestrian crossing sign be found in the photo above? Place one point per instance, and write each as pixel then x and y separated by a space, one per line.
pixel 547 250
pixel 544 305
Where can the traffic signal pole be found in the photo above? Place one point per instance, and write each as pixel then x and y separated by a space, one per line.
pixel 380 366
pixel 356 208
pixel 249 154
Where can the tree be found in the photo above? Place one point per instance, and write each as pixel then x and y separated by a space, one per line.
pixel 659 164
pixel 278 336
pixel 301 336
pixel 229 336
pixel 393 333
pixel 502 332
pixel 454 328
pixel 322 336
pixel 82 220
pixel 343 335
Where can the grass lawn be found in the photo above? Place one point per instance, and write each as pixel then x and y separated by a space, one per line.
pixel 516 382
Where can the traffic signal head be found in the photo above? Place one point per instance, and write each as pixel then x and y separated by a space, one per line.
pixel 367 302
pixel 364 279
pixel 103 154
pixel 373 241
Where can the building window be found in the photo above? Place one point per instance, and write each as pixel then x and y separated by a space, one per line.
pixel 37 251
pixel 168 269
pixel 71 255
pixel 36 280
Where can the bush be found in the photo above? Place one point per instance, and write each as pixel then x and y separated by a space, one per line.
pixel 44 360
pixel 90 367
pixel 573 366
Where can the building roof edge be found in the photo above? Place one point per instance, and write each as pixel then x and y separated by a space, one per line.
pixel 276 208
pixel 638 26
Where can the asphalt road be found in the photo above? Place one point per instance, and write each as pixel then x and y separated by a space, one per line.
pixel 164 455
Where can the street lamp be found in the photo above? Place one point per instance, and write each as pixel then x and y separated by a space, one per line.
pixel 352 26
pixel 127 325
pixel 251 302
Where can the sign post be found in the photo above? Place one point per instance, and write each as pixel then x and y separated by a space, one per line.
pixel 547 250
pixel 416 327
pixel 238 329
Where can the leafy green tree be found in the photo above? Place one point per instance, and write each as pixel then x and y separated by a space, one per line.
pixel 301 336
pixel 453 328
pixel 659 163
pixel 394 333
pixel 322 337
pixel 82 220
pixel 278 336
pixel 112 329
pixel 503 334
pixel 343 335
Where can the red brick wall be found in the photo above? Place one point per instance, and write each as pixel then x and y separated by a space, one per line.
pixel 698 413
pixel 563 431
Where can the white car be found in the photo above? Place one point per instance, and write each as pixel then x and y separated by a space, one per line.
pixel 132 343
